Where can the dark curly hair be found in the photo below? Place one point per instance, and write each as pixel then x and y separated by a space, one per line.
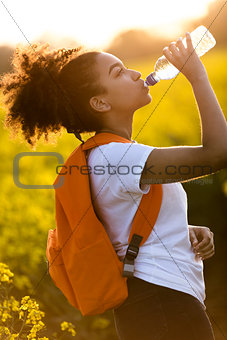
pixel 48 90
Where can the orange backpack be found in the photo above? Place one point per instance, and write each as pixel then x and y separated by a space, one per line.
pixel 82 261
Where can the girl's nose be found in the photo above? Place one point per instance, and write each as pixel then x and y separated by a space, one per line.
pixel 136 75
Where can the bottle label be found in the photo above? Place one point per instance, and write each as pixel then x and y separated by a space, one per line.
pixel 152 79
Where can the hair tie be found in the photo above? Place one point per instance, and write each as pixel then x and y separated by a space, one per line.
pixel 77 135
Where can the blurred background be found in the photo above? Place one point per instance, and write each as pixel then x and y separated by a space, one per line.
pixel 135 32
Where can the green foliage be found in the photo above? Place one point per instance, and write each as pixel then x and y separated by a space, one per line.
pixel 26 214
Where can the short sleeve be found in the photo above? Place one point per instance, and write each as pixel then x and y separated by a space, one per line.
pixel 125 162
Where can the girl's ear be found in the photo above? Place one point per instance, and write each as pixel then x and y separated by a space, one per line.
pixel 99 104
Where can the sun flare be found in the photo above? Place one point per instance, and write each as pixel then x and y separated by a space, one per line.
pixel 92 23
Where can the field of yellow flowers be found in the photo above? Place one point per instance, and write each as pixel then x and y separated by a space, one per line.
pixel 27 214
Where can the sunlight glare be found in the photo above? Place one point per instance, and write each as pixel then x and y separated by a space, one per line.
pixel 93 23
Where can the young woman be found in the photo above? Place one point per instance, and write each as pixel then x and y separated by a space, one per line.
pixel 94 92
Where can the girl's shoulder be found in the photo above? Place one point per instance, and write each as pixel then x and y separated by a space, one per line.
pixel 117 150
pixel 118 146
pixel 133 155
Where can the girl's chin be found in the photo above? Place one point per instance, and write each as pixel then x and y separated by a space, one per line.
pixel 147 100
pixel 149 96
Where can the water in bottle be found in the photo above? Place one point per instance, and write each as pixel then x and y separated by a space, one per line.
pixel 202 41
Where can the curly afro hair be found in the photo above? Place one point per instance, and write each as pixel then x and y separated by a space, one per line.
pixel 50 89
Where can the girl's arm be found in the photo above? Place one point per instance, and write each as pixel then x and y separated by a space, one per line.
pixel 214 127
pixel 182 163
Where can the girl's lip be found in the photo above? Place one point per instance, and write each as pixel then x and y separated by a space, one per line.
pixel 144 84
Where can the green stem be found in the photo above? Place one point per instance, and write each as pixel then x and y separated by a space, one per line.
pixel 24 320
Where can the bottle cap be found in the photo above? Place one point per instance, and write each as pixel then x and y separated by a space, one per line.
pixel 152 79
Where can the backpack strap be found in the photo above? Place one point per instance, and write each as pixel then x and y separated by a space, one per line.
pixel 143 224
pixel 146 214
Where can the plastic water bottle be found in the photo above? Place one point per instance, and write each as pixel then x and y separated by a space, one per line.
pixel 202 41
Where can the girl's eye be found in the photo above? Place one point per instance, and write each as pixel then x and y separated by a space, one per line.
pixel 121 70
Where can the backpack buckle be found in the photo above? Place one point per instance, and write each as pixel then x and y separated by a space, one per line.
pixel 131 254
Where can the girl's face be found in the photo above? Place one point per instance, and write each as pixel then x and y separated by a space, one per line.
pixel 126 91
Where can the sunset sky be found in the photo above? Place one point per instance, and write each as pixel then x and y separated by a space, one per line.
pixel 92 23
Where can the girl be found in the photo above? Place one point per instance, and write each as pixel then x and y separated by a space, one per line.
pixel 94 92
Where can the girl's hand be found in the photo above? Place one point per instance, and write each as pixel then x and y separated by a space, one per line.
pixel 185 59
pixel 202 240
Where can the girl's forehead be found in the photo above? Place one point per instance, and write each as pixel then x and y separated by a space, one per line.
pixel 108 58
pixel 105 63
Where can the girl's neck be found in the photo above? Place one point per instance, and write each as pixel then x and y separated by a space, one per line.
pixel 114 132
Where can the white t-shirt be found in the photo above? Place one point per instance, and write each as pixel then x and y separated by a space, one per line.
pixel 167 257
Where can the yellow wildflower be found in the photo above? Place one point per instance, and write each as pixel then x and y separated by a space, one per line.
pixel 13 336
pixel 64 325
pixel 69 327
pixel 5 274
pixel 14 304
pixel 4 330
